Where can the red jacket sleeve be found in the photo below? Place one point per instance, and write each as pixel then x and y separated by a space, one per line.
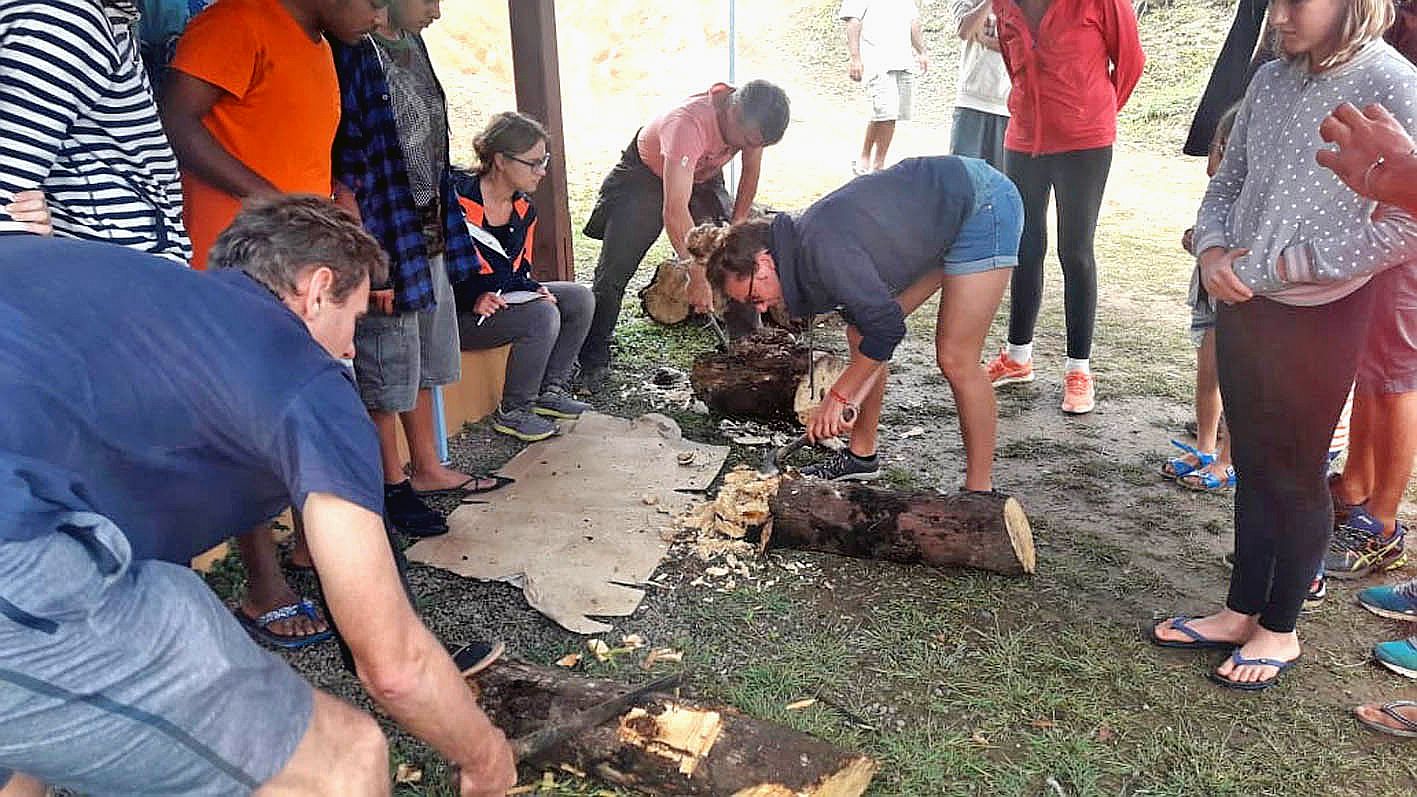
pixel 1124 48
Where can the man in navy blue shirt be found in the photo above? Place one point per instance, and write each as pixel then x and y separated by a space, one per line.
pixel 150 412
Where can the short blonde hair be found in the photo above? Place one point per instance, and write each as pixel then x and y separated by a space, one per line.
pixel 1364 21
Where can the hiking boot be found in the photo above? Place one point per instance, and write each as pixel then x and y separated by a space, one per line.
pixel 1360 547
pixel 409 514
pixel 556 402
pixel 1393 601
pixel 592 378
pixel 1399 656
pixel 1079 396
pixel 1318 590
pixel 1003 371
pixel 844 466
pixel 523 424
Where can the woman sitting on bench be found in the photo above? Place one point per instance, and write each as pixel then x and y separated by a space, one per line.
pixel 501 303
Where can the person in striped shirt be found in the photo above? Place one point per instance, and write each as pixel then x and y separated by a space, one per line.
pixel 82 153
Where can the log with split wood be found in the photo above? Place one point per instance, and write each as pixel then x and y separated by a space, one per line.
pixel 668 745
pixel 764 375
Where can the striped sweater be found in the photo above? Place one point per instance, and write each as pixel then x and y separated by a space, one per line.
pixel 77 120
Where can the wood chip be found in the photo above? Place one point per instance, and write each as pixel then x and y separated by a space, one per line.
pixel 600 649
pixel 662 656
pixel 686 457
pixel 752 440
pixel 914 431
pixel 632 642
pixel 408 773
pixel 716 571
pixel 729 529
pixel 569 660
pixel 649 499
pixel 798 705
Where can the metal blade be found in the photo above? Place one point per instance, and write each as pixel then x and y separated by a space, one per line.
pixel 552 734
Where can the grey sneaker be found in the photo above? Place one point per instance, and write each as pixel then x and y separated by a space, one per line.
pixel 844 466
pixel 556 402
pixel 523 424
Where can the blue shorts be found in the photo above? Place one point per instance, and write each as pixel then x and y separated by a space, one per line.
pixel 989 238
pixel 123 677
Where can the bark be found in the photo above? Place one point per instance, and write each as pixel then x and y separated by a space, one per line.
pixel 984 531
pixel 668 745
pixel 764 376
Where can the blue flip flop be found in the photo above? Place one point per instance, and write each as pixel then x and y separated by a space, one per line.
pixel 259 627
pixel 1199 641
pixel 1177 467
pixel 1253 686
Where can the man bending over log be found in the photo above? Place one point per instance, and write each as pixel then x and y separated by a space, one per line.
pixel 877 248
pixel 151 412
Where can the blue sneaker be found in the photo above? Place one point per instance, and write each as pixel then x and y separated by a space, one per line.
pixel 1399 656
pixel 1360 549
pixel 1394 601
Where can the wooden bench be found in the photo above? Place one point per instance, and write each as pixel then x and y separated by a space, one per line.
pixel 471 399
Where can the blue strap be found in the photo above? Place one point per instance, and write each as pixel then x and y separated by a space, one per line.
pixel 304 607
pixel 1205 459
pixel 1241 661
pixel 1180 624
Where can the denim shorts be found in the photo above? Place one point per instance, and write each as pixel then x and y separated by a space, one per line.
pixel 398 355
pixel 989 237
pixel 123 677
pixel 1202 309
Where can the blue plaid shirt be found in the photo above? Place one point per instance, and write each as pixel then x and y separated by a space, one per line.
pixel 369 160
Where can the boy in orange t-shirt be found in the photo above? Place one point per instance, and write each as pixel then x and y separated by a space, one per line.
pixel 251 107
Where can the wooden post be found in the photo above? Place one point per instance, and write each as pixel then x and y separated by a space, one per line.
pixel 538 79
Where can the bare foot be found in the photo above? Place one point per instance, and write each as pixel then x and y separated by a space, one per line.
pixel 438 477
pixel 1373 715
pixel 256 603
pixel 1263 644
pixel 1223 626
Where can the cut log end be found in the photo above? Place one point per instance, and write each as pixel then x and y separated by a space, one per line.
pixel 1020 535
pixel 850 781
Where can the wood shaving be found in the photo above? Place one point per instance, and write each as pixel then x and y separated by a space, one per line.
pixel 798 705
pixel 599 649
pixel 569 660
pixel 662 655
pixel 649 499
pixel 408 773
pixel 914 431
pixel 632 642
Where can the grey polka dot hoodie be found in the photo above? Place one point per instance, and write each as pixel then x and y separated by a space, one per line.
pixel 1271 197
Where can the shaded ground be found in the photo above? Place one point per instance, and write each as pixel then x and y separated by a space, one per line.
pixel 964 683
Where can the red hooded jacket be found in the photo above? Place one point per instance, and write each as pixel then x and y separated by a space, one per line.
pixel 1071 79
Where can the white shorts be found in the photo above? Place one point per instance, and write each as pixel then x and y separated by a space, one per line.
pixel 891 94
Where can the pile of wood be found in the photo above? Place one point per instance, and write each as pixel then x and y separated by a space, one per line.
pixel 668 745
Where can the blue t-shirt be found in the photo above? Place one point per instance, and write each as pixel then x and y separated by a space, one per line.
pixel 185 406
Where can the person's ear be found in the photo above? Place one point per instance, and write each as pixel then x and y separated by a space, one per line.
pixel 319 290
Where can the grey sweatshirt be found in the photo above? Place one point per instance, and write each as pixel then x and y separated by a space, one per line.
pixel 1272 197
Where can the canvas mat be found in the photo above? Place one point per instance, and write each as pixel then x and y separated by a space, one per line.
pixel 575 531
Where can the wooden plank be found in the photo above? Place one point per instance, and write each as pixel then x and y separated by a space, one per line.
pixel 536 63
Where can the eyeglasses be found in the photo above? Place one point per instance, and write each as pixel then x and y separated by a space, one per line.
pixel 753 280
pixel 543 163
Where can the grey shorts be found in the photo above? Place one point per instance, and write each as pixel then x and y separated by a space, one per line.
pixel 398 355
pixel 1202 309
pixel 892 96
pixel 121 677
pixel 1388 364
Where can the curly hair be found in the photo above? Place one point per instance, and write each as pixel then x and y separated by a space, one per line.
pixel 731 250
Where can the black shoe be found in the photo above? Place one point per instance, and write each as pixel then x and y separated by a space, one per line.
pixel 409 514
pixel 844 466
pixel 592 378
pixel 474 657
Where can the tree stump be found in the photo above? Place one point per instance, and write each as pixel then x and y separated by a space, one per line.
pixel 666 298
pixel 985 531
pixel 765 376
pixel 668 745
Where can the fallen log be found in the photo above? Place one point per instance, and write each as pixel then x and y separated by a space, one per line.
pixel 669 745
pixel 666 298
pixel 988 531
pixel 764 375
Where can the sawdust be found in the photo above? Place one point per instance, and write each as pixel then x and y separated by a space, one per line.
pixel 720 526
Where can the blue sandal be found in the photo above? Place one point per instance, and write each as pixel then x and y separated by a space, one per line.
pixel 1177 467
pixel 1198 641
pixel 1253 686
pixel 1205 481
pixel 259 627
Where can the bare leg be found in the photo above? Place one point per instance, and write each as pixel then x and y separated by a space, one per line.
pixel 1207 394
pixel 967 306
pixel 266 588
pixel 387 425
pixel 1397 418
pixel 428 471
pixel 343 752
pixel 22 786
pixel 863 162
pixel 885 132
pixel 1365 426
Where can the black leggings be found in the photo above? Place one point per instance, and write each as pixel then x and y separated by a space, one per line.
pixel 1077 178
pixel 1284 375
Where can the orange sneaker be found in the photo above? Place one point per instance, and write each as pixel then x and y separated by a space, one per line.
pixel 1003 371
pixel 1078 395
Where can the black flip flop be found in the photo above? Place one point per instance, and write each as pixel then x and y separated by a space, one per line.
pixel 462 489
pixel 259 627
pixel 1199 641
pixel 474 657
